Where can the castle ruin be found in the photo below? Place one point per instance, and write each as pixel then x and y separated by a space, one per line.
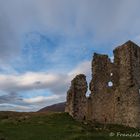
pixel 115 96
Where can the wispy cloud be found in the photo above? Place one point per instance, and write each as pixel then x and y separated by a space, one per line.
pixel 29 81
pixel 41 80
pixel 57 84
pixel 83 67
pixel 40 99
pixel 99 19
pixel 13 107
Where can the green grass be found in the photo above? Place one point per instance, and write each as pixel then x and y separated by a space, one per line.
pixel 55 126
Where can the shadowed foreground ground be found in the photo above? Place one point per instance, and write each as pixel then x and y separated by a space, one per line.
pixel 56 126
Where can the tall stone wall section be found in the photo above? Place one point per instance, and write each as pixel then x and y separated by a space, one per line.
pixel 127 97
pixel 101 93
pixel 76 103
pixel 118 103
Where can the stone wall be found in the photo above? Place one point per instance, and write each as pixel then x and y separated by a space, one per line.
pixel 76 98
pixel 114 87
pixel 101 93
pixel 127 97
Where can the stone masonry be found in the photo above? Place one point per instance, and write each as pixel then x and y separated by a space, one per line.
pixel 115 89
pixel 76 97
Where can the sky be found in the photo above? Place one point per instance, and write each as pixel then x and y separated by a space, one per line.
pixel 45 43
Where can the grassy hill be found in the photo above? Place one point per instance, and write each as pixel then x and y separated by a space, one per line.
pixel 59 107
pixel 55 126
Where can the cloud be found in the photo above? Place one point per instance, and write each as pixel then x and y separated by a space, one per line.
pixel 74 29
pixel 83 68
pixel 13 107
pixel 7 98
pixel 40 99
pixel 101 20
pixel 41 80
pixel 31 81
pixel 12 85
pixel 9 42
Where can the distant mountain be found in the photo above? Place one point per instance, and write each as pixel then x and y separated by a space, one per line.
pixel 60 107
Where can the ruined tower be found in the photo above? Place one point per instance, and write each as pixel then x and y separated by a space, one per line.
pixel 76 97
pixel 126 94
pixel 114 87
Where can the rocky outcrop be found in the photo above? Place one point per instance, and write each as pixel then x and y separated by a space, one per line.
pixel 114 89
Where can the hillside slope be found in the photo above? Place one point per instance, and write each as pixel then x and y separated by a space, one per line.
pixel 60 107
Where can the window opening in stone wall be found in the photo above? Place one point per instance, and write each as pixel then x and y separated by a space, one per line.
pixel 88 90
pixel 110 84
pixel 135 53
pixel 88 93
pixel 112 59
pixel 118 99
pixel 84 118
